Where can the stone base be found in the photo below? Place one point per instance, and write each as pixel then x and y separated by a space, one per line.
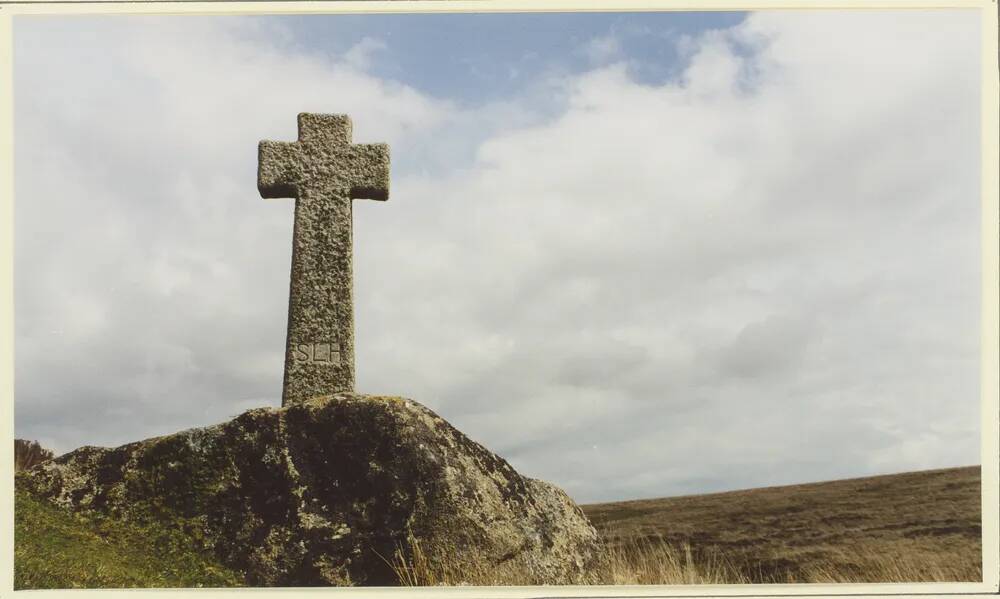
pixel 329 491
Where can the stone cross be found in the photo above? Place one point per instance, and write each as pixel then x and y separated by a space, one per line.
pixel 323 171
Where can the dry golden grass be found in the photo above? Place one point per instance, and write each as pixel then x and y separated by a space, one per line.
pixel 644 562
pixel 647 562
pixel 424 570
pixel 911 527
pixel 28 454
pixel 898 561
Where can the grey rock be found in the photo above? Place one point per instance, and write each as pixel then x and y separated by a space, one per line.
pixel 324 171
pixel 327 491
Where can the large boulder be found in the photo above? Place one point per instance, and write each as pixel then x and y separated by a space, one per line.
pixel 334 491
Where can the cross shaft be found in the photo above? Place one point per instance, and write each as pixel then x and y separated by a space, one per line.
pixel 323 171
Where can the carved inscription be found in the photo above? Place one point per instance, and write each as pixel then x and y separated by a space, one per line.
pixel 316 353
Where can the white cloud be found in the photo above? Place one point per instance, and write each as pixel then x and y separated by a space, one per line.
pixel 765 272
pixel 360 55
pixel 602 49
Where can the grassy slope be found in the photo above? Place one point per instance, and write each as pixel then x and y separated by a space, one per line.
pixel 916 526
pixel 54 548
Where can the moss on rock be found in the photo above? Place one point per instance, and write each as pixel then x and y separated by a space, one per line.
pixel 328 491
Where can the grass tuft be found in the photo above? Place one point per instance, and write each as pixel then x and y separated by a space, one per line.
pixel 28 454
pixel 418 568
pixel 644 561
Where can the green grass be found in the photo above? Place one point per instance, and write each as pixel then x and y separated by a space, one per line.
pixel 57 549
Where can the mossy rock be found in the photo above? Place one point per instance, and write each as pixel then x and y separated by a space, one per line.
pixel 331 492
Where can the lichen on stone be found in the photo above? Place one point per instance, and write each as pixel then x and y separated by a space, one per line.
pixel 323 492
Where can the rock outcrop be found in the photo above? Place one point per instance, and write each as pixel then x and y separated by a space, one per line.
pixel 331 492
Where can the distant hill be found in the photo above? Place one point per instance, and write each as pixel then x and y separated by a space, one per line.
pixel 915 526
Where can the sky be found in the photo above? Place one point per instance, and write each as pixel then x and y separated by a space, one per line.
pixel 636 255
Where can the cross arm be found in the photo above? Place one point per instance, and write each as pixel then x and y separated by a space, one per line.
pixel 278 169
pixel 323 158
pixel 368 171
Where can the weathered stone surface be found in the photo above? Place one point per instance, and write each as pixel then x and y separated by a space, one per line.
pixel 324 171
pixel 318 493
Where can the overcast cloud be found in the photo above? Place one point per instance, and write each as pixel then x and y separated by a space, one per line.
pixel 762 271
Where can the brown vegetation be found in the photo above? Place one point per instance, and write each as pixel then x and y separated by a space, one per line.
pixel 911 527
pixel 657 562
pixel 28 454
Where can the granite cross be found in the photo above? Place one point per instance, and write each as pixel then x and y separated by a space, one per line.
pixel 323 171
